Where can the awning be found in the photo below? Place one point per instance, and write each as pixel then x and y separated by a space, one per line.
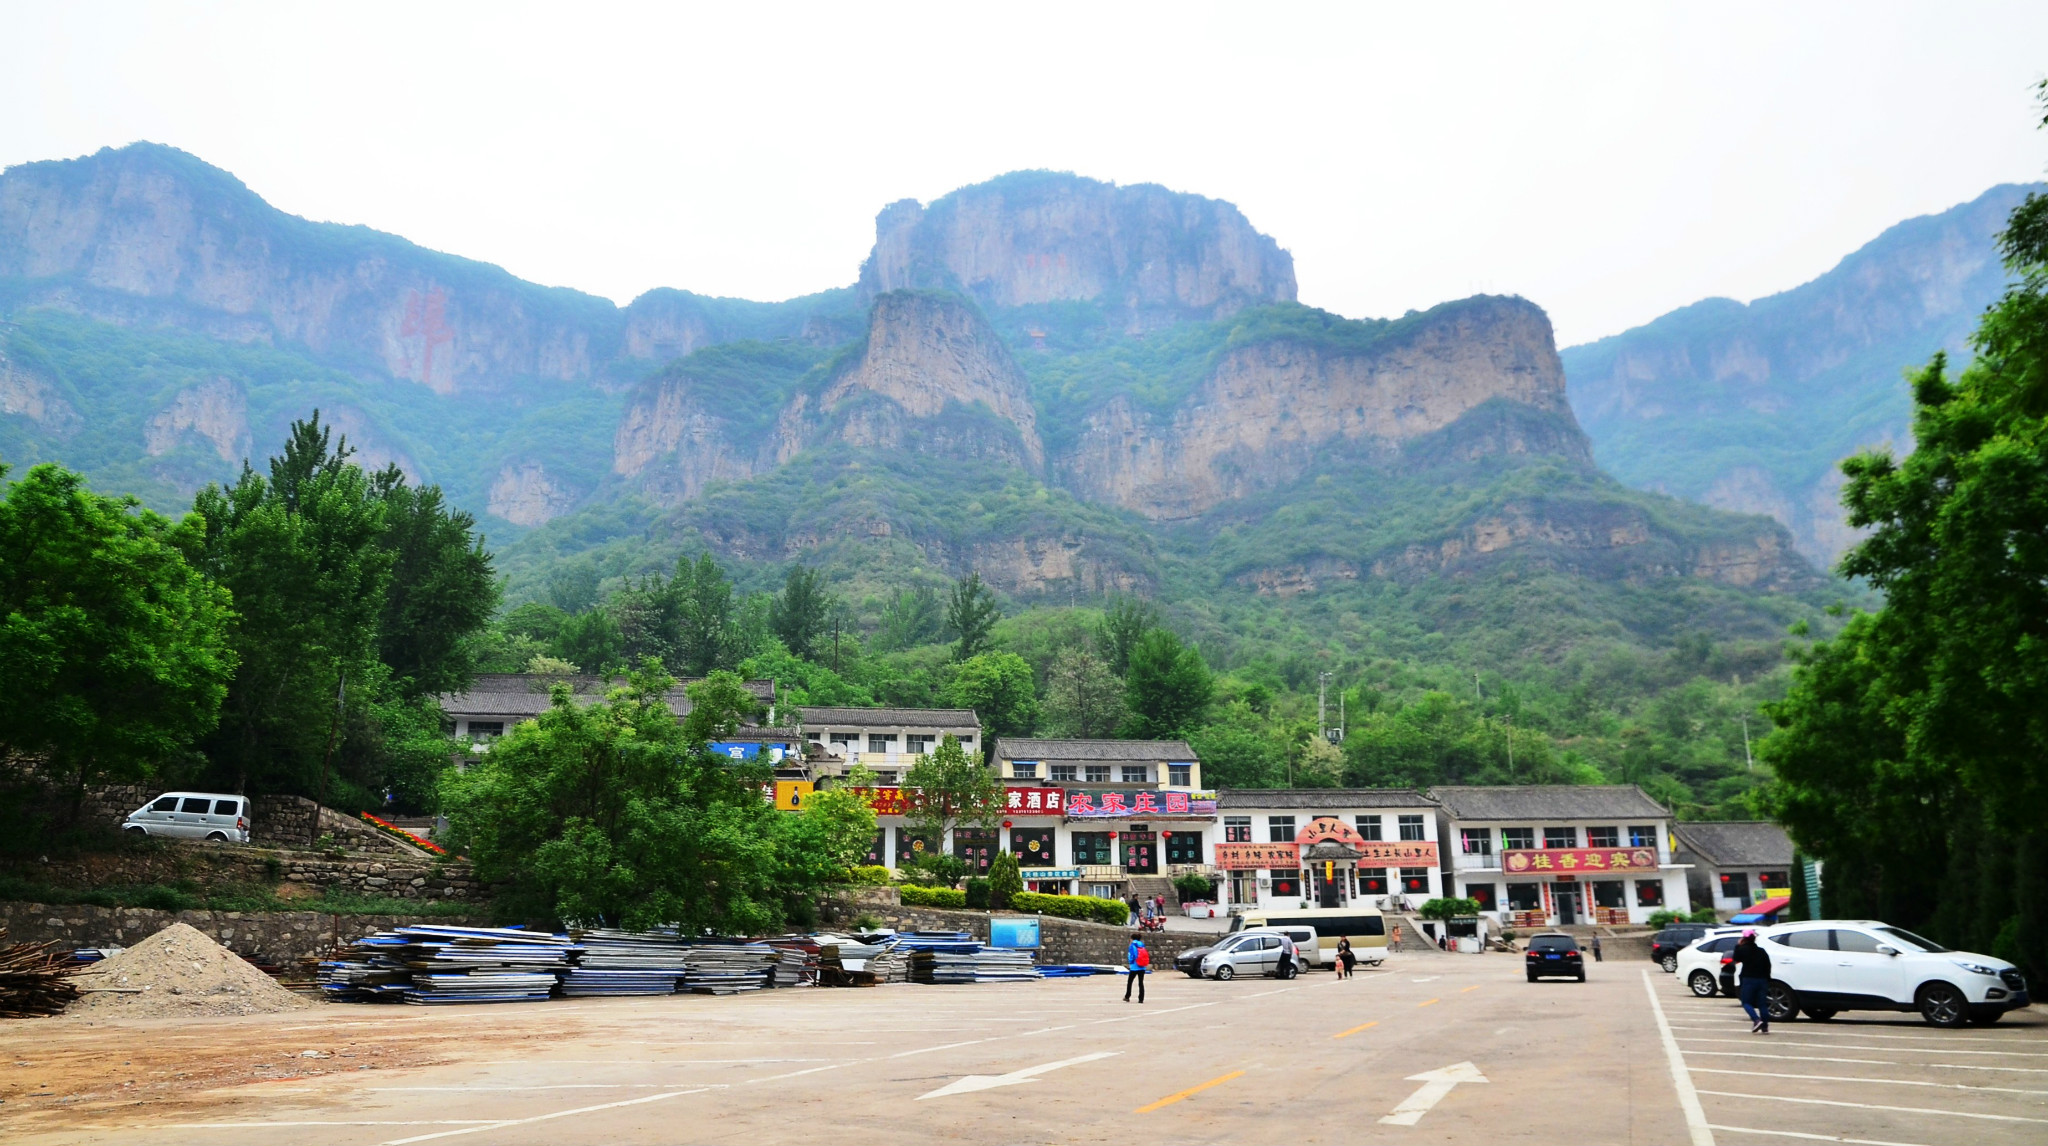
pixel 1758 912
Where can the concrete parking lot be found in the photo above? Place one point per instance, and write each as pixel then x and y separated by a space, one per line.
pixel 1431 1048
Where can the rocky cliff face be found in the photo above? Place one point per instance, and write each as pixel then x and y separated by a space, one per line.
pixel 1751 407
pixel 214 412
pixel 1271 410
pixel 1153 255
pixel 26 393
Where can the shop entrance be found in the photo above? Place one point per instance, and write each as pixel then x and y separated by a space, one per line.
pixel 1568 909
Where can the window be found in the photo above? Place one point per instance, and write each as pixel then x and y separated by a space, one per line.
pixel 1514 838
pixel 845 739
pixel 1033 846
pixel 1772 879
pixel 1642 835
pixel 1098 773
pixel 1368 827
pixel 1184 847
pixel 1482 894
pixel 1280 829
pixel 1609 893
pixel 1415 880
pixel 1023 769
pixel 965 741
pixel 878 848
pixel 1140 852
pixel 1237 829
pixel 1560 837
pixel 1476 841
pixel 1411 827
pixel 1815 940
pixel 1603 837
pixel 1524 897
pixel 167 804
pixel 1725 943
pixel 1135 773
pixel 1855 941
pixel 879 743
pixel 1093 848
pixel 1735 886
pixel 1064 772
pixel 227 807
pixel 976 847
pixel 916 744
pixel 910 846
pixel 199 806
pixel 1286 882
pixel 1649 893
pixel 1180 775
pixel 885 779
pixel 479 729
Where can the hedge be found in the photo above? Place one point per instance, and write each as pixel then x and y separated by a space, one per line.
pixel 1114 912
pixel 915 896
pixel 869 875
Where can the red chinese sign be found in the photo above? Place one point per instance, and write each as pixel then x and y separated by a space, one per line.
pixel 1330 828
pixel 1398 853
pixel 1245 857
pixel 1554 860
pixel 1103 805
pixel 885 801
pixel 1034 801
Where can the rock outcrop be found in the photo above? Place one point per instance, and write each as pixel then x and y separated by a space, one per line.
pixel 215 412
pixel 525 494
pixel 24 392
pixel 1153 255
pixel 1271 410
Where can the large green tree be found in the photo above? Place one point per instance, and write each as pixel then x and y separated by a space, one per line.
pixel 971 616
pixel 442 589
pixel 1000 689
pixel 949 787
pixel 114 648
pixel 801 612
pixel 1082 696
pixel 1913 748
pixel 1168 687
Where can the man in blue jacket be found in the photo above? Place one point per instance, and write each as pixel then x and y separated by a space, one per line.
pixel 1139 960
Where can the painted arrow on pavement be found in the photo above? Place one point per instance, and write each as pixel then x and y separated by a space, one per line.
pixel 974 1082
pixel 1435 1084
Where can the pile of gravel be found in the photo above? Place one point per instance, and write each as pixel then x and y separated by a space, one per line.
pixel 179 971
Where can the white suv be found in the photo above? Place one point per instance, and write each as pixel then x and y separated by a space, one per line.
pixel 1703 963
pixel 1833 965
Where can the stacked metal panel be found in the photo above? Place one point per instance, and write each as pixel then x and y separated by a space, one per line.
pixel 796 961
pixel 441 965
pixel 625 963
pixel 727 967
pixel 845 962
pixel 984 965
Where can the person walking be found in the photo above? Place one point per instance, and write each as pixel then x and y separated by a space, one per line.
pixel 1131 901
pixel 1346 957
pixel 1753 963
pixel 1394 940
pixel 1140 959
pixel 1596 947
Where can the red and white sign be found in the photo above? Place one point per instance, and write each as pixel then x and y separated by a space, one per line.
pixel 1248 857
pixel 1560 860
pixel 1034 801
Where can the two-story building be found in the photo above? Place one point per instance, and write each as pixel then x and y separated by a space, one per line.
pixel 1553 855
pixel 1325 847
pixel 496 701
pixel 886 741
pixel 1091 816
pixel 1737 865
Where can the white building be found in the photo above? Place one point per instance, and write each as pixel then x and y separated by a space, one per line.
pixel 1555 855
pixel 1736 864
pixel 888 741
pixel 1325 847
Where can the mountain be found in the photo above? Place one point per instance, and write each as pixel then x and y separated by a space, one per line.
pixel 1750 407
pixel 1071 386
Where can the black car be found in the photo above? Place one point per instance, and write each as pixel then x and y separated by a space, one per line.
pixel 1554 954
pixel 1666 944
pixel 1189 962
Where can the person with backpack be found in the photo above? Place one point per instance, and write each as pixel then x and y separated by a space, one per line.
pixel 1140 959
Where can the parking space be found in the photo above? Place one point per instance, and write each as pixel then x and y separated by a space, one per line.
pixel 1860 1077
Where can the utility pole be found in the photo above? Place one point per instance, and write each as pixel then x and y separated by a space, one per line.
pixel 1322 705
pixel 333 729
pixel 1748 761
pixel 1510 721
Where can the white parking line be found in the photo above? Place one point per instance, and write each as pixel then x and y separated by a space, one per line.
pixel 1853 1031
pixel 1878 1081
pixel 1814 1137
pixel 544 1117
pixel 1778 1042
pixel 1864 1106
pixel 1688 1100
pixel 1872 1061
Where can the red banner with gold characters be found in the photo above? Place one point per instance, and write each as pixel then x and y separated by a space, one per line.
pixel 1397 853
pixel 1246 857
pixel 1554 860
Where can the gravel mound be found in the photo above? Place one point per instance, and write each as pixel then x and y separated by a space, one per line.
pixel 179 971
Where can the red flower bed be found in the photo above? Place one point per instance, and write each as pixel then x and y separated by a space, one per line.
pixel 395 830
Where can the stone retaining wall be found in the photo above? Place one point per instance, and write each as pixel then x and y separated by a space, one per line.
pixel 307 873
pixel 1062 940
pixel 282 939
pixel 278 821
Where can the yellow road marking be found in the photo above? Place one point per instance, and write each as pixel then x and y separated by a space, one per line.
pixel 1356 1029
pixel 1426 1002
pixel 1170 1099
pixel 1473 987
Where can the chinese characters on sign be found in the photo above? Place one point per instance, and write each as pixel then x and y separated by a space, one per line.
pixel 1245 857
pixel 1098 805
pixel 1034 801
pixel 1399 853
pixel 1555 860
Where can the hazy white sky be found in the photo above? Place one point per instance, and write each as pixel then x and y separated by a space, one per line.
pixel 1608 162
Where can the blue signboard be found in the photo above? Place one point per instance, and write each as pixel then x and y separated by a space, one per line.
pixel 748 749
pixel 1013 931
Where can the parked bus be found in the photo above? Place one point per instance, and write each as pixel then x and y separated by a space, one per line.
pixel 1363 925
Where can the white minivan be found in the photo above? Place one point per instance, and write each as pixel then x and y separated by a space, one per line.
pixel 193 816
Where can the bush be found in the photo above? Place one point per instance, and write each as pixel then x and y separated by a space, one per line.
pixel 869 875
pixel 1084 907
pixel 1192 886
pixel 1004 880
pixel 1703 915
pixel 1665 918
pixel 977 893
pixel 1445 908
pixel 915 895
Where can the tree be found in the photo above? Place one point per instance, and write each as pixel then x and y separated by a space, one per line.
pixel 114 648
pixel 1124 624
pixel 950 786
pixel 617 813
pixel 801 611
pixel 1168 687
pixel 971 616
pixel 572 588
pixel 1000 690
pixel 592 640
pixel 1005 880
pixel 831 833
pixel 442 589
pixel 911 618
pixel 1083 697
pixel 706 640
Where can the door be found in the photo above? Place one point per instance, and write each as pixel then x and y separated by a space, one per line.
pixel 1328 891
pixel 1804 960
pixel 1269 955
pixel 160 816
pixel 190 820
pixel 1567 896
pixel 1861 970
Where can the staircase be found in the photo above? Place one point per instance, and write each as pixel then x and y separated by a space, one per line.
pixel 1147 886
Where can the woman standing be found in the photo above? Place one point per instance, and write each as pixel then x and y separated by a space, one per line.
pixel 1754 964
pixel 1346 958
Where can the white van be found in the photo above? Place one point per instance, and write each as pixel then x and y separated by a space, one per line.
pixel 193 816
pixel 1364 926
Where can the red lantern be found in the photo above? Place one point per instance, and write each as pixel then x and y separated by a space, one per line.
pixel 1112 835
pixel 1166 835
pixel 1006 823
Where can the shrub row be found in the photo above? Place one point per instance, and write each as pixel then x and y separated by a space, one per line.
pixel 915 896
pixel 1084 907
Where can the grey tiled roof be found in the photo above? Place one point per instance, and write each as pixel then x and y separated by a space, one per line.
pixel 1321 799
pixel 1555 802
pixel 1023 748
pixel 924 717
pixel 1736 843
pixel 519 694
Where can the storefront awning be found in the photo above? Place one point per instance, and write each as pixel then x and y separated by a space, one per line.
pixel 1759 913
